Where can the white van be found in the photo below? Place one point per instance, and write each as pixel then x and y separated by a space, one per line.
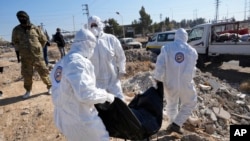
pixel 159 39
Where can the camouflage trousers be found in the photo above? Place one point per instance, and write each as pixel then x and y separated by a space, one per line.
pixel 27 70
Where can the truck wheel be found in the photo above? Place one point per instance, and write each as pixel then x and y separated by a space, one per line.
pixel 217 61
pixel 217 64
pixel 244 62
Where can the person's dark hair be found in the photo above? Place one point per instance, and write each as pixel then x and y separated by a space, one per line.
pixel 58 29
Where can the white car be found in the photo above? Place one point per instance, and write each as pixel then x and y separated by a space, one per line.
pixel 129 43
pixel 160 39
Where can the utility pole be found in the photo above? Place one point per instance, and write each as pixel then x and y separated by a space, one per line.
pixel 195 14
pixel 245 12
pixel 161 21
pixel 248 10
pixel 86 10
pixel 42 25
pixel 122 24
pixel 217 10
pixel 74 24
pixel 44 30
pixel 160 17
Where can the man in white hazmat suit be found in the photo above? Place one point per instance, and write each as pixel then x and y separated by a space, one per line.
pixel 108 59
pixel 175 67
pixel 74 93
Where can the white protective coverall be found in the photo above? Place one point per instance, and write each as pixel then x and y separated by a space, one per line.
pixel 175 67
pixel 108 59
pixel 74 93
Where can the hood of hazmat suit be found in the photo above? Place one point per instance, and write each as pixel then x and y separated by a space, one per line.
pixel 181 35
pixel 175 67
pixel 95 25
pixel 74 92
pixel 84 43
pixel 108 59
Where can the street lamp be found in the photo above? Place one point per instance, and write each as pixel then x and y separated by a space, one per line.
pixel 122 24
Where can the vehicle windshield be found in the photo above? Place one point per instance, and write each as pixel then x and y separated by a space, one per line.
pixel 129 40
pixel 195 34
pixel 152 39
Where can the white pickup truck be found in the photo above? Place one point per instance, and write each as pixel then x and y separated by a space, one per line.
pixel 219 42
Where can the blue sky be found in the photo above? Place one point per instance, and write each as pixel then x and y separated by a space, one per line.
pixel 68 14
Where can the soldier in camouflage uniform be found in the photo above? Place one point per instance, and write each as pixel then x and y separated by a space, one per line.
pixel 29 39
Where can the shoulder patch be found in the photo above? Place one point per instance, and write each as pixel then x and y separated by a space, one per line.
pixel 179 57
pixel 58 74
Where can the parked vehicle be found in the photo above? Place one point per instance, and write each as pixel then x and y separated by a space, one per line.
pixel 69 41
pixel 219 42
pixel 159 39
pixel 129 43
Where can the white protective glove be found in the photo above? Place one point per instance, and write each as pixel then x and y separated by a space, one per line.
pixel 110 98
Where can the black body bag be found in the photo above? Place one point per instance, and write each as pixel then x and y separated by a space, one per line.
pixel 138 120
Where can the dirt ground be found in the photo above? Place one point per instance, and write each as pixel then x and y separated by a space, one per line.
pixel 32 119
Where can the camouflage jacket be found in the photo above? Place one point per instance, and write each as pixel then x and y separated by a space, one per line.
pixel 29 41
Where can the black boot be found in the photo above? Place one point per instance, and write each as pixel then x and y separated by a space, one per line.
pixel 174 128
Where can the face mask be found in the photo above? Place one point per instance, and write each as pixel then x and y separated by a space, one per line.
pixel 23 20
pixel 95 31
